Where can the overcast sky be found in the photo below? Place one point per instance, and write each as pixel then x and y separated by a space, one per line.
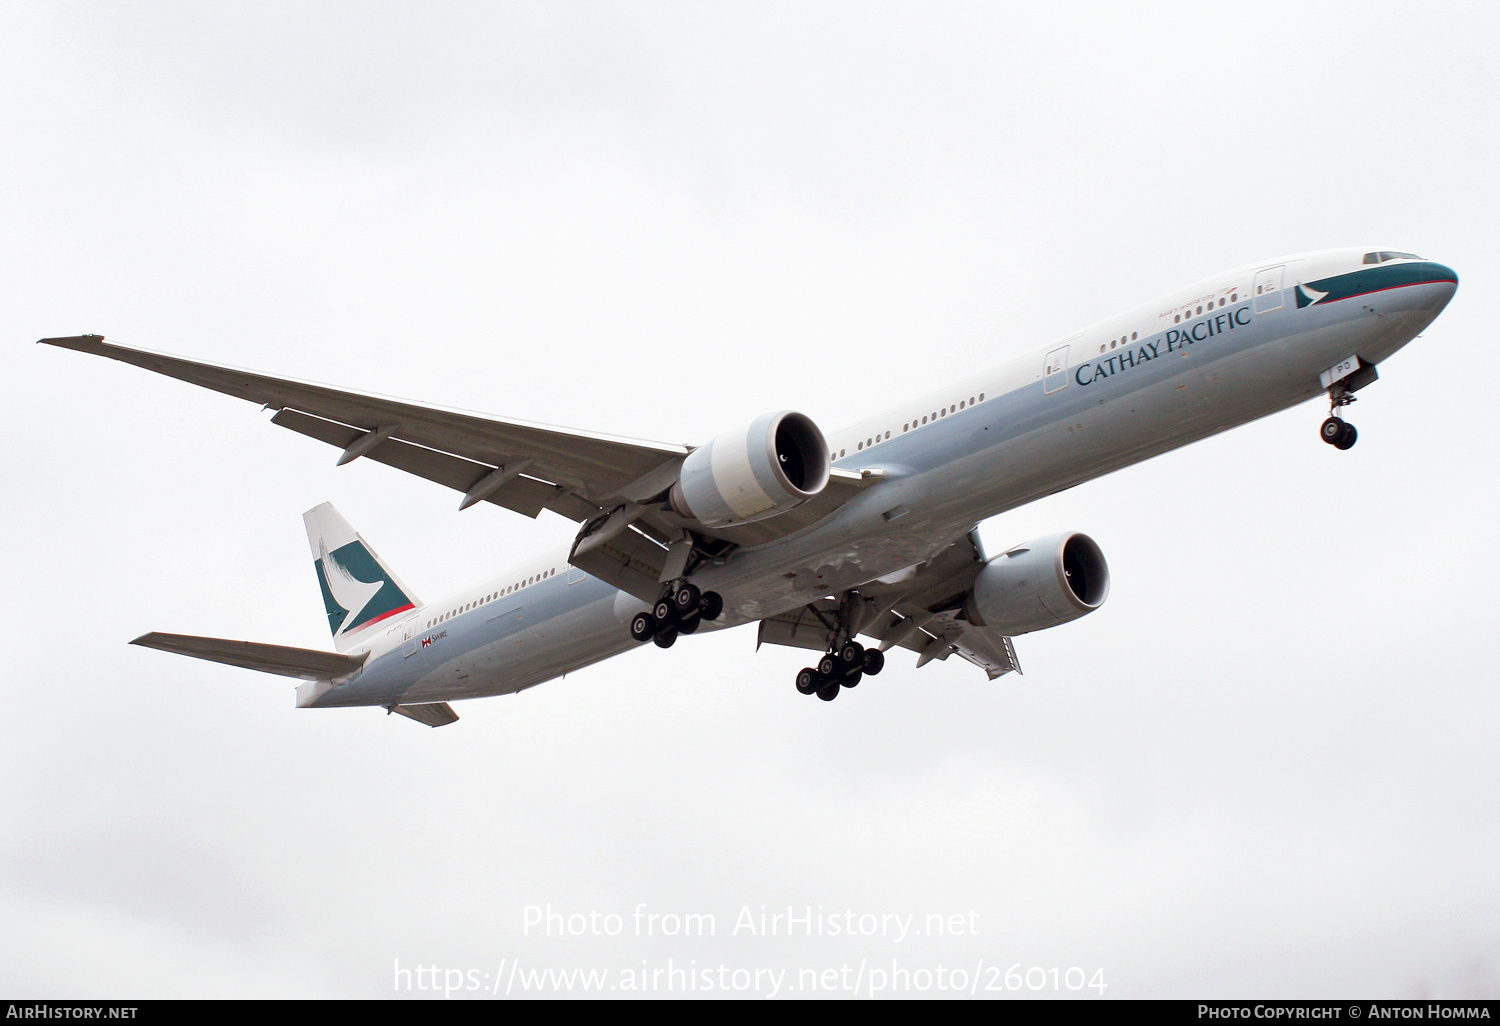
pixel 1267 767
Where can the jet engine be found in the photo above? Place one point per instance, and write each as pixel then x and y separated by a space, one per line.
pixel 1040 584
pixel 777 461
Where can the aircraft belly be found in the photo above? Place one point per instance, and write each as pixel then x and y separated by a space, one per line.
pixel 1256 381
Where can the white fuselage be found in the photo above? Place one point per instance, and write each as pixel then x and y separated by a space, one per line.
pixel 1217 354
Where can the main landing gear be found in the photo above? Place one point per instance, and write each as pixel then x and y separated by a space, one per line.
pixel 1337 431
pixel 681 610
pixel 840 668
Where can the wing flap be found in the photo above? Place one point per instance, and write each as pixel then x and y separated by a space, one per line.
pixel 629 561
pixel 302 663
pixel 995 654
pixel 807 626
pixel 794 630
pixel 524 495
pixel 434 714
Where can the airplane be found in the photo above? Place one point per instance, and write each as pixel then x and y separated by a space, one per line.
pixel 870 532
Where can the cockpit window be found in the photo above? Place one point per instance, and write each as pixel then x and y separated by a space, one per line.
pixel 1388 254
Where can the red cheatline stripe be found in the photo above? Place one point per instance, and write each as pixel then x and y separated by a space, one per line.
pixel 382 616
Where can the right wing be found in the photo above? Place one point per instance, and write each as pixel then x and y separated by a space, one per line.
pixel 522 466
pixel 526 467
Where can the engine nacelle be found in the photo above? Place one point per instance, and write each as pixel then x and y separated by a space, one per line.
pixel 777 461
pixel 1040 584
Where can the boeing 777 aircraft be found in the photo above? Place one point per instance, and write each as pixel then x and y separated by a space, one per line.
pixel 820 540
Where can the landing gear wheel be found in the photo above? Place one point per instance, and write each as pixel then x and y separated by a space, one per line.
pixel 689 625
pixel 874 661
pixel 1331 430
pixel 664 639
pixel 852 653
pixel 808 681
pixel 686 599
pixel 664 612
pixel 642 626
pixel 711 606
pixel 827 665
pixel 851 679
pixel 828 692
pixel 1347 437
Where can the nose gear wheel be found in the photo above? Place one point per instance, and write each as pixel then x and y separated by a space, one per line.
pixel 1337 431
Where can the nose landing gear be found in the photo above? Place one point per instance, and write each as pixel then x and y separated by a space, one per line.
pixel 1337 431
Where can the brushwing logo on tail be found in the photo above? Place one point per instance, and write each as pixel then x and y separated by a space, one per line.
pixel 356 591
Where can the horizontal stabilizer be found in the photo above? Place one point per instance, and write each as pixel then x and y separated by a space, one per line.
pixel 434 714
pixel 303 663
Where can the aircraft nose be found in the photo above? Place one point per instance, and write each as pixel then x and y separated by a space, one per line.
pixel 1442 272
pixel 1442 282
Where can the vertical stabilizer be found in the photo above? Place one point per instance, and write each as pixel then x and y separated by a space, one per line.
pixel 359 590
